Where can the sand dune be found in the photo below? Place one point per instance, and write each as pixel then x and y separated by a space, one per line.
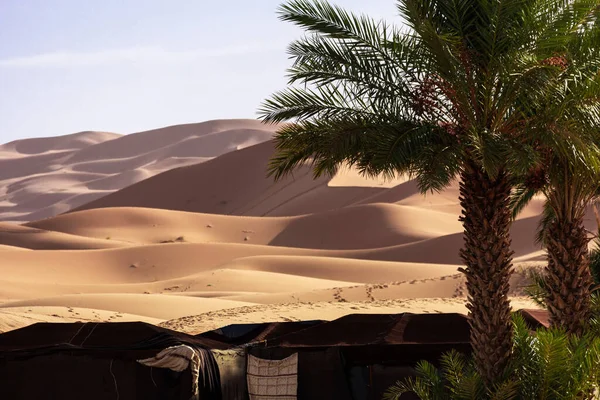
pixel 38 239
pixel 434 286
pixel 244 189
pixel 153 306
pixel 5 247
pixel 17 317
pixel 324 310
pixel 75 141
pixel 44 177
pixel 144 264
pixel 237 184
pixel 354 227
pixel 181 225
pixel 342 269
pixel 218 283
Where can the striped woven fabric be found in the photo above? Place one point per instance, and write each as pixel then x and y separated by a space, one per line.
pixel 272 379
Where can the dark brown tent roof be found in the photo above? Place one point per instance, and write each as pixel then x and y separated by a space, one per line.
pixel 105 337
pixel 96 360
pixel 239 334
pixel 535 318
pixel 382 329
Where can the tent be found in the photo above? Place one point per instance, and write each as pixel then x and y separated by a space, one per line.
pixel 232 361
pixel 239 334
pixel 358 356
pixel 534 318
pixel 117 360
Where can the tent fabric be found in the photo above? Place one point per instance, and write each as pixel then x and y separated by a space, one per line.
pixel 178 358
pixel 241 334
pixel 381 329
pixel 68 376
pixel 358 356
pixel 320 371
pixel 99 361
pixel 232 366
pixel 407 354
pixel 268 379
pixel 535 318
pixel 107 336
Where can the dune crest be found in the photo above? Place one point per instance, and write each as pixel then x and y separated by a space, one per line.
pixel 43 177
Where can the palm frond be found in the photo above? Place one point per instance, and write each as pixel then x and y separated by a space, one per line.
pixel 537 289
pixel 547 364
pixel 428 385
pixel 374 147
pixel 521 196
pixel 548 215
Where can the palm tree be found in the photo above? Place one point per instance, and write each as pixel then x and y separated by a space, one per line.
pixel 441 100
pixel 567 283
pixel 538 287
pixel 569 277
pixel 568 176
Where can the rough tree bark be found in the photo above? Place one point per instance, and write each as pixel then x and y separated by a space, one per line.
pixel 487 257
pixel 569 279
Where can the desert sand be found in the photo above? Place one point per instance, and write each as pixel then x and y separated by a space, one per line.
pixel 180 226
pixel 43 177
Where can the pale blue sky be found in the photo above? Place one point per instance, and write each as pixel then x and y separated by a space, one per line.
pixel 129 65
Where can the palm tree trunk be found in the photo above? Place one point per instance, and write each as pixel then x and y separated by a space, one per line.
pixel 569 278
pixel 487 256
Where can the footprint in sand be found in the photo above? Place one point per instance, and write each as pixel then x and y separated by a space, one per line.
pixel 369 291
pixel 337 295
pixel 459 291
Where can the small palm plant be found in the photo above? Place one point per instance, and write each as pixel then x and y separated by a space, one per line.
pixel 548 364
pixel 457 379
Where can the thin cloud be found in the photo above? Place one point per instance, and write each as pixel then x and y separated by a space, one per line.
pixel 145 55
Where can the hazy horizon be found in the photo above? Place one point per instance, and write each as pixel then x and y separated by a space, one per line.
pixel 74 66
